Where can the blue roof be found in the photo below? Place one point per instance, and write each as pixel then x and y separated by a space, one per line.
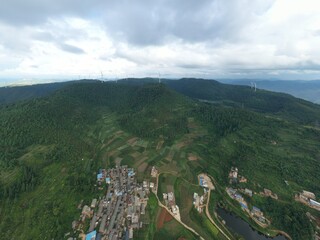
pixel 201 181
pixel 237 195
pixel 107 179
pixel 91 235
pixel 243 205
pixel 99 175
pixel 256 209
pixel 130 173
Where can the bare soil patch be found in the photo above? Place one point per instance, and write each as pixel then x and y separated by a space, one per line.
pixel 161 217
pixel 159 145
pixel 192 157
pixel 132 141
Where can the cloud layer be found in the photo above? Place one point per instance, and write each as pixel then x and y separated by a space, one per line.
pixel 213 39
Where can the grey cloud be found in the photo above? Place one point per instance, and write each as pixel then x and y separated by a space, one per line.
pixel 317 32
pixel 70 48
pixel 146 22
pixel 150 23
pixel 43 36
pixel 34 12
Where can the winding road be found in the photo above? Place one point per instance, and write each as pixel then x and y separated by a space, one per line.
pixel 210 218
pixel 183 224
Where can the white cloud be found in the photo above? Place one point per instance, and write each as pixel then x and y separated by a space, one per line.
pixel 182 38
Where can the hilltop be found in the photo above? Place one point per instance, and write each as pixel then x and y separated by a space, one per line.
pixel 280 104
pixel 52 147
pixel 308 90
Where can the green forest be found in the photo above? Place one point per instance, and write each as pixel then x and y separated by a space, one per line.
pixel 49 149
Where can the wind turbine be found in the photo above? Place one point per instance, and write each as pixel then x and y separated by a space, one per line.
pixel 255 87
pixel 101 76
pixel 159 78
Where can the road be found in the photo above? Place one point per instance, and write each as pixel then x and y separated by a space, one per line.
pixel 210 218
pixel 183 224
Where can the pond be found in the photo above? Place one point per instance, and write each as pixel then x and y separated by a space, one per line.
pixel 241 227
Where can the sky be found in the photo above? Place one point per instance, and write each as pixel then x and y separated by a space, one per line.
pixel 42 40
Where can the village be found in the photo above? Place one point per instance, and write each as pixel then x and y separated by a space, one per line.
pixel 255 213
pixel 305 197
pixel 118 213
pixel 308 198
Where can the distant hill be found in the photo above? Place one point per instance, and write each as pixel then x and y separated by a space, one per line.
pixel 308 90
pixel 241 96
pixel 245 97
pixel 13 94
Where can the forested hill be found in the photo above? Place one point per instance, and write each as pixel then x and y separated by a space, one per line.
pixel 263 101
pixel 278 104
pixel 51 148
pixel 308 90
pixel 43 140
pixel 12 94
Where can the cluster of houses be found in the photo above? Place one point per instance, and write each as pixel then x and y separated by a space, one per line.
pixel 255 213
pixel 268 193
pixel 119 212
pixel 198 202
pixel 308 198
pixel 235 177
pixel 170 203
pixel 154 172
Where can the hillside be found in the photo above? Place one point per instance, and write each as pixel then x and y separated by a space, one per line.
pixel 43 141
pixel 308 90
pixel 12 94
pixel 51 148
pixel 263 101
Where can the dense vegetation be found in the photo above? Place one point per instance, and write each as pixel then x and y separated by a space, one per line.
pixel 263 101
pixel 308 90
pixel 49 150
pixel 14 94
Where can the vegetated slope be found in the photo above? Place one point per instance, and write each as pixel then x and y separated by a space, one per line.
pixel 43 142
pixel 145 110
pixel 308 90
pixel 46 152
pixel 263 101
pixel 19 93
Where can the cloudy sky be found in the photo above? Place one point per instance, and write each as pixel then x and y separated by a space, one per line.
pixel 43 40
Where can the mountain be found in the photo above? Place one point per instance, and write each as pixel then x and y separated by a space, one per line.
pixel 13 94
pixel 308 90
pixel 52 147
pixel 262 101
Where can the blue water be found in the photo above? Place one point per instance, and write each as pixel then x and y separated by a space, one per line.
pixel 242 228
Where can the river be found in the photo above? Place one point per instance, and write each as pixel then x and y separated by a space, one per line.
pixel 241 227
